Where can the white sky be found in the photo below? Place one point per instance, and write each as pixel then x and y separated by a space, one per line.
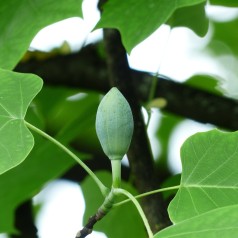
pixel 177 54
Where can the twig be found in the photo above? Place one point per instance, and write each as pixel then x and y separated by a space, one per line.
pixel 102 211
pixel 88 228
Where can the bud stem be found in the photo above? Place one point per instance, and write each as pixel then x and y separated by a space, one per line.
pixel 116 173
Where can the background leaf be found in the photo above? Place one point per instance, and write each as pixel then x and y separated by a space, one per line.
pixel 147 17
pixel 224 40
pixel 209 180
pixel 17 91
pixel 46 161
pixel 227 3
pixel 193 17
pixel 21 20
pixel 167 125
pixel 221 222
pixel 206 83
pixel 67 109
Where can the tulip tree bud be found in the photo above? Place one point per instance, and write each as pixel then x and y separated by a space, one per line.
pixel 114 124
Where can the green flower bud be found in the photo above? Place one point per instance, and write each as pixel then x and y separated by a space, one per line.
pixel 114 124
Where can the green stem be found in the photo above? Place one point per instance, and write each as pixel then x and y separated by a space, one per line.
pixel 116 173
pixel 136 203
pixel 147 194
pixel 101 186
pixel 108 203
pixel 155 80
pixel 151 95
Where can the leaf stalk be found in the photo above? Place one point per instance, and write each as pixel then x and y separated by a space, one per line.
pixel 104 190
pixel 147 194
pixel 136 203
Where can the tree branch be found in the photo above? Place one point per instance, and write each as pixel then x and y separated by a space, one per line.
pixel 88 228
pixel 87 70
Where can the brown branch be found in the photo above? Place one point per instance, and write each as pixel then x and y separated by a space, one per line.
pixel 199 105
pixel 75 70
pixel 87 70
pixel 88 228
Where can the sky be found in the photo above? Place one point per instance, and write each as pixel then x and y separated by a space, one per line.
pixel 176 54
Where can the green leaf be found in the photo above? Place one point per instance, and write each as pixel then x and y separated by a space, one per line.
pixel 45 162
pixel 206 83
pixel 193 17
pixel 67 108
pixel 27 179
pixel 17 92
pixel 221 222
pixel 21 20
pixel 167 124
pixel 209 178
pixel 223 40
pixel 137 19
pixel 227 3
pixel 120 222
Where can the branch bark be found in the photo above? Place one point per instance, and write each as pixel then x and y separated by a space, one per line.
pixel 87 70
pixel 88 228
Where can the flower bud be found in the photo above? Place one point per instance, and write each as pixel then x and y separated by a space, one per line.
pixel 114 124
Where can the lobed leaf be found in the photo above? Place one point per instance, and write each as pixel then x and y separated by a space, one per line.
pixel 209 177
pixel 17 92
pixel 137 19
pixel 221 222
pixel 192 17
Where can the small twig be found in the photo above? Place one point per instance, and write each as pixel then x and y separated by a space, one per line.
pixel 102 211
pixel 88 228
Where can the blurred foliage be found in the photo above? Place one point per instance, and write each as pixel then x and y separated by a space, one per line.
pixel 227 3
pixel 149 14
pixel 224 37
pixel 167 124
pixel 206 83
pixel 66 119
pixel 192 17
pixel 21 20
